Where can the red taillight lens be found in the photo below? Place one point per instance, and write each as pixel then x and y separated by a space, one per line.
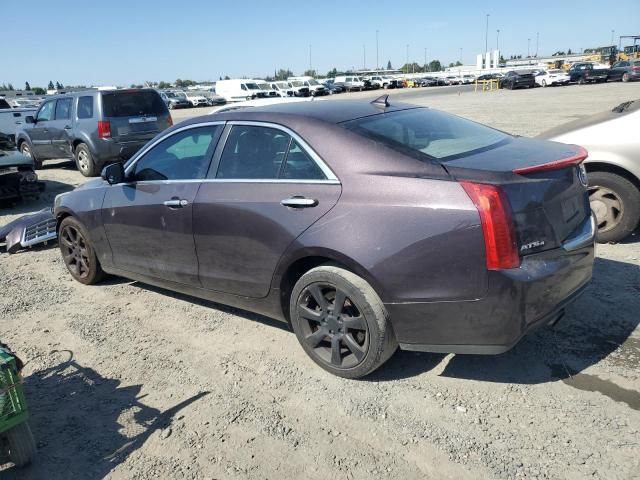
pixel 576 159
pixel 104 129
pixel 635 69
pixel 497 225
pixel 170 121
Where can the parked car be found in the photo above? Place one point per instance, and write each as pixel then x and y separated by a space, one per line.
pixel 625 71
pixel 395 83
pixel 215 100
pixel 196 99
pixel 236 90
pixel 453 80
pixel 613 166
pixel 381 81
pixel 316 89
pixel 546 78
pixel 332 88
pixel 17 177
pixel 327 214
pixel 283 88
pixel 349 82
pixel 94 127
pixel 585 72
pixel 12 118
pixel 299 89
pixel 268 90
pixel 468 79
pixel 24 103
pixel 175 99
pixel 518 79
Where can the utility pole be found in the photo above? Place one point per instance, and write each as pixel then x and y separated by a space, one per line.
pixel 486 36
pixel 377 62
pixel 612 35
pixel 407 68
pixel 425 59
pixel 537 41
pixel 310 64
pixel 364 57
pixel 460 55
pixel 498 39
pixel 528 47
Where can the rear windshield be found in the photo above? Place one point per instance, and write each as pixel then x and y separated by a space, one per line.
pixel 130 104
pixel 427 134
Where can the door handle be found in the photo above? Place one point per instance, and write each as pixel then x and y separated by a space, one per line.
pixel 175 203
pixel 299 202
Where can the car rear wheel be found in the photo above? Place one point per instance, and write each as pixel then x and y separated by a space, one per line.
pixel 625 77
pixel 544 83
pixel 77 252
pixel 616 204
pixel 341 322
pixel 581 81
pixel 84 161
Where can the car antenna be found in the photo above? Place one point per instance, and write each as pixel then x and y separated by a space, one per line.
pixel 381 101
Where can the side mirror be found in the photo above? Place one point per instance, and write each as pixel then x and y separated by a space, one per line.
pixel 113 173
pixel 30 119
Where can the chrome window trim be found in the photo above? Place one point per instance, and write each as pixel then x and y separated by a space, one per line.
pixel 304 145
pixel 132 162
pixel 235 180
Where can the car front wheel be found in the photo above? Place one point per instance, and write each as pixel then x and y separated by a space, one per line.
pixel 341 322
pixel 625 77
pixel 616 204
pixel 78 253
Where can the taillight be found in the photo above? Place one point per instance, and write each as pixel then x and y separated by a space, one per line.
pixel 497 225
pixel 635 69
pixel 170 121
pixel 575 159
pixel 104 129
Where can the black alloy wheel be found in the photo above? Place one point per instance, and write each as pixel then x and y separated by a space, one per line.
pixel 78 253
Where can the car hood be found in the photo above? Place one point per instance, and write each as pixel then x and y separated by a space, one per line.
pixel 12 158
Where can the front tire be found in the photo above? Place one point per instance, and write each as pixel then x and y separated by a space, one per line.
pixel 22 446
pixel 26 150
pixel 616 204
pixel 341 322
pixel 625 77
pixel 78 253
pixel 85 162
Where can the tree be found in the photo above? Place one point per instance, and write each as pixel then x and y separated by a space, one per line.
pixel 226 77
pixel 27 87
pixel 569 52
pixel 310 73
pixel 458 63
pixel 59 86
pixel 435 66
pixel 163 85
pixel 333 73
pixel 283 74
pixel 502 60
pixel 50 86
pixel 39 91
pixel 389 67
pixel 10 87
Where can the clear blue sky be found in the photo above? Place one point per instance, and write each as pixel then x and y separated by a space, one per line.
pixel 123 42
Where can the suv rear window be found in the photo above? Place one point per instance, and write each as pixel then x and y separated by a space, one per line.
pixel 131 104
pixel 427 134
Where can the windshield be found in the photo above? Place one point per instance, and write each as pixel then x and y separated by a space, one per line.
pixel 265 86
pixel 284 85
pixel 427 134
pixel 313 82
pixel 297 84
pixel 252 86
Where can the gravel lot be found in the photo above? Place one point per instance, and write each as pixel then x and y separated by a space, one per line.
pixel 129 381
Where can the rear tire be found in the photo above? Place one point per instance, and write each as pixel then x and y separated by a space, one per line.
pixel 351 343
pixel 78 253
pixel 22 446
pixel 616 203
pixel 625 77
pixel 85 162
pixel 544 83
pixel 581 81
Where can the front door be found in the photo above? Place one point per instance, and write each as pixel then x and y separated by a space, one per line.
pixel 149 220
pixel 268 188
pixel 60 129
pixel 39 133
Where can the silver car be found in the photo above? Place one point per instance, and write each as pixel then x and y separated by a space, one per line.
pixel 613 166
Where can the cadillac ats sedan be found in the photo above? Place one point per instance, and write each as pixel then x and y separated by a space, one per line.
pixel 365 226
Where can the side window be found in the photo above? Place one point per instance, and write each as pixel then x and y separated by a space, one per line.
pixel 85 107
pixel 46 111
pixel 63 109
pixel 243 86
pixel 183 156
pixel 300 166
pixel 253 153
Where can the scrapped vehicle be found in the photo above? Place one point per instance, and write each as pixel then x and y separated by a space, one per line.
pixel 613 166
pixel 626 71
pixel 175 100
pixel 327 214
pixel 17 177
pixel 29 230
pixel 587 72
pixel 518 79
pixel 546 78
pixel 11 118
pixel 17 444
pixel 93 127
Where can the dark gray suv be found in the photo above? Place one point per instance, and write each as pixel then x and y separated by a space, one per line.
pixel 94 127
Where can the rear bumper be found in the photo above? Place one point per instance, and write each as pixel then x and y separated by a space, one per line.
pixel 517 302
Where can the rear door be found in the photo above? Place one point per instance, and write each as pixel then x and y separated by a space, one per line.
pixel 149 220
pixel 269 187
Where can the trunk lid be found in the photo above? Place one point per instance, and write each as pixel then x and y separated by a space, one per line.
pixel 134 115
pixel 548 205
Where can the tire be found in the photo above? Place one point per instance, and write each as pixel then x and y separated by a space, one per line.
pixel 22 446
pixel 25 149
pixel 85 162
pixel 625 77
pixel 362 332
pixel 581 81
pixel 544 83
pixel 616 203
pixel 171 107
pixel 77 252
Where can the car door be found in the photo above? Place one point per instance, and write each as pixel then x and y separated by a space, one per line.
pixel 39 133
pixel 60 129
pixel 149 220
pixel 268 187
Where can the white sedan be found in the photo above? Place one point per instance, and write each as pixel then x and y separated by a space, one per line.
pixel 545 78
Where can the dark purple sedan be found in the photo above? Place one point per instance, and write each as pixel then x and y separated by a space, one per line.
pixel 366 226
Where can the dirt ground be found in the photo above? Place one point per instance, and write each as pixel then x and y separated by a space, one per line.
pixel 127 381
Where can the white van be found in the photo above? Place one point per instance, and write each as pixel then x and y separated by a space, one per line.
pixel 283 88
pixel 316 89
pixel 268 90
pixel 349 82
pixel 238 90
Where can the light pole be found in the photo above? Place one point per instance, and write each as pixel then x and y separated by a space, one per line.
pixel 612 35
pixel 498 39
pixel 460 55
pixel 377 63
pixel 486 35
pixel 528 47
pixel 364 57
pixel 310 64
pixel 407 68
pixel 425 59
pixel 537 41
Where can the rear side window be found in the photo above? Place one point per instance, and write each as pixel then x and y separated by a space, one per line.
pixel 85 107
pixel 300 166
pixel 63 109
pixel 132 104
pixel 427 134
